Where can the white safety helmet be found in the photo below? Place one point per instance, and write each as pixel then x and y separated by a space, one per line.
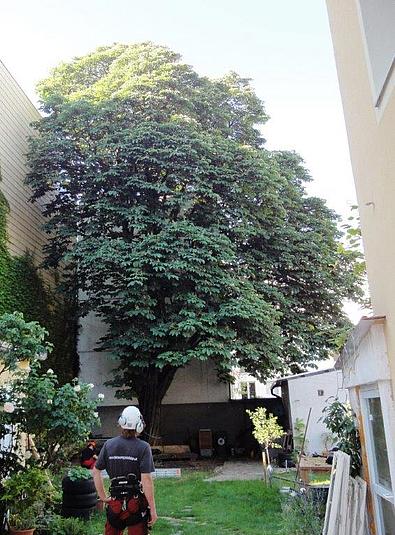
pixel 131 418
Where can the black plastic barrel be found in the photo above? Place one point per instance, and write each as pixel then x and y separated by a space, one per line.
pixel 79 498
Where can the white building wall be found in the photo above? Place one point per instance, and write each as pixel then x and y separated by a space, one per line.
pixel 25 219
pixel 262 390
pixel 304 394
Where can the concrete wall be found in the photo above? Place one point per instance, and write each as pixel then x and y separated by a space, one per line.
pixel 196 383
pixel 180 423
pixel 371 135
pixel 25 219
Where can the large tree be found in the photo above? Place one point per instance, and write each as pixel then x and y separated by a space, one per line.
pixel 188 237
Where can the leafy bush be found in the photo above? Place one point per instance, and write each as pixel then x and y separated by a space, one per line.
pixel 77 473
pixel 28 487
pixel 340 420
pixel 25 518
pixel 302 515
pixel 59 417
pixel 28 494
pixel 299 436
pixel 67 526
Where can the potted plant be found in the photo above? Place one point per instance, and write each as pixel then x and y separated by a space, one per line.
pixel 26 495
pixel 79 498
pixel 23 521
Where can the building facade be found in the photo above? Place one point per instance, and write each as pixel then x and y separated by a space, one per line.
pixel 24 220
pixel 363 33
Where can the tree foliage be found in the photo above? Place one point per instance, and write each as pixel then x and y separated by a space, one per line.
pixel 266 428
pixel 192 241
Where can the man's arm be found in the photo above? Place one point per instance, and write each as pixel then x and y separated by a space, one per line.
pixel 98 480
pixel 148 488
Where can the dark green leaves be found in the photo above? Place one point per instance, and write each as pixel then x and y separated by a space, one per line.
pixel 191 240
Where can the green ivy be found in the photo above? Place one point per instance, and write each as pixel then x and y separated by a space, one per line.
pixel 22 289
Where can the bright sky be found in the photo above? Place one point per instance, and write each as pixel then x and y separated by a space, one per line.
pixel 283 45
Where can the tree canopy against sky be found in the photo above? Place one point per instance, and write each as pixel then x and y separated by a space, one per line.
pixel 194 241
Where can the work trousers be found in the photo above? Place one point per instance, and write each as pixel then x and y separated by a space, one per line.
pixel 133 507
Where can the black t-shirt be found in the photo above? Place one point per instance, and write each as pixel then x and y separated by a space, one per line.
pixel 121 456
pixel 86 454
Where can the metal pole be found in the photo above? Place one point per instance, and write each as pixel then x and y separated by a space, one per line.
pixel 303 443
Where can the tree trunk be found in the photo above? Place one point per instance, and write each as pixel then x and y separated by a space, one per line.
pixel 150 393
pixel 264 462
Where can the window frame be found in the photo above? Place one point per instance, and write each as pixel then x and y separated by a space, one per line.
pixel 382 391
pixel 381 91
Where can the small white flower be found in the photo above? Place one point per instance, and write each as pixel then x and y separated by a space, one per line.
pixel 28 454
pixel 96 414
pixel 91 385
pixel 100 396
pixel 77 388
pixel 50 371
pixel 8 407
pixel 49 401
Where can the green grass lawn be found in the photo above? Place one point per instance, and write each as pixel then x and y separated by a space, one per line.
pixel 192 506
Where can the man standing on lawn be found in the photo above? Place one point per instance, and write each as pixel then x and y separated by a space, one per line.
pixel 129 464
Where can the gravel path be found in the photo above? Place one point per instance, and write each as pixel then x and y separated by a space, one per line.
pixel 237 470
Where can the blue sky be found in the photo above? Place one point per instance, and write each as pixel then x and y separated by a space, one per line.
pixel 283 45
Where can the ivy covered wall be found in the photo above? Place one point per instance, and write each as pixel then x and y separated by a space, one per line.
pixel 23 289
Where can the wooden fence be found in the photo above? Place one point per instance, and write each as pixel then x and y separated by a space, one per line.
pixel 346 505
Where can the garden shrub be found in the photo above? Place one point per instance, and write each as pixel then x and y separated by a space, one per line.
pixel 56 418
pixel 341 422
pixel 67 526
pixel 303 515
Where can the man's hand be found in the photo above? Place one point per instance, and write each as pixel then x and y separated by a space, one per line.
pixel 153 519
pixel 97 478
pixel 148 488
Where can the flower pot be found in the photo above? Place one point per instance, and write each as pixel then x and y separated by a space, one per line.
pixel 14 531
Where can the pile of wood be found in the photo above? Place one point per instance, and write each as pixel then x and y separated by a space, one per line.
pixel 346 505
pixel 175 452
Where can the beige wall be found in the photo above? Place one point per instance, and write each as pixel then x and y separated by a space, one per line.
pixel 371 134
pixel 25 219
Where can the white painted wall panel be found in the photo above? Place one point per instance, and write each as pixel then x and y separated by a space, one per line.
pixel 303 395
pixel 25 219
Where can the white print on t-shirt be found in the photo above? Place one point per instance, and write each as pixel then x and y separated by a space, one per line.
pixel 123 458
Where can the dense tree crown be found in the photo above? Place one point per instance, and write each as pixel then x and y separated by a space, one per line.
pixel 190 239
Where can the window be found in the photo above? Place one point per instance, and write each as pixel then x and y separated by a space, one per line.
pixel 252 390
pixel 378 460
pixel 378 19
pixel 244 390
